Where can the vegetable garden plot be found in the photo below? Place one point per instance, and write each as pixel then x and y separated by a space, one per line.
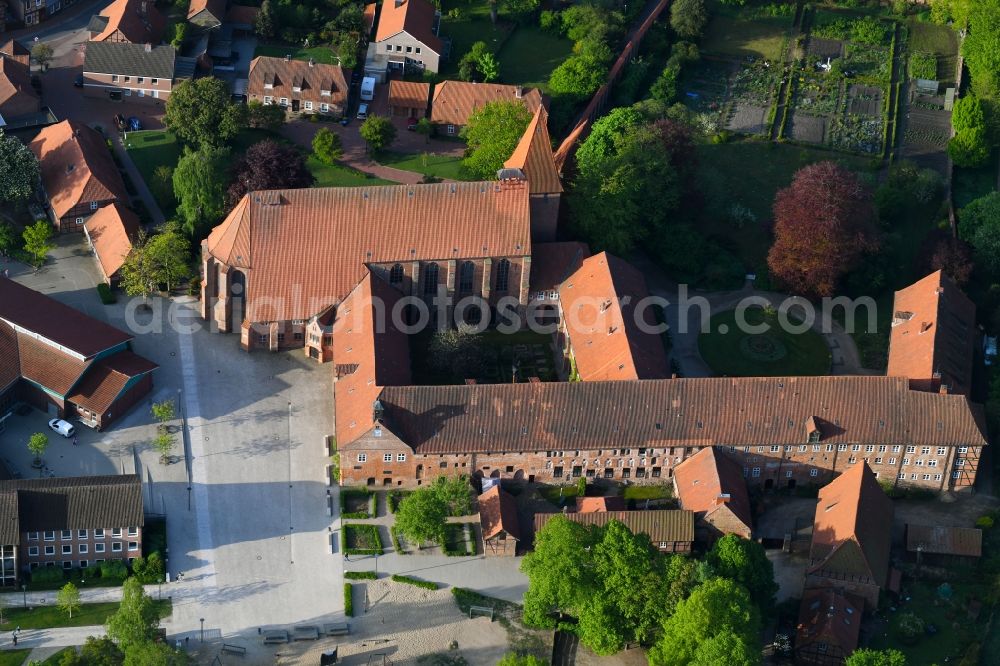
pixel 749 119
pixel 867 63
pixel 864 101
pixel 807 128
pixel 825 48
pixel 705 87
pixel 817 94
pixel 858 134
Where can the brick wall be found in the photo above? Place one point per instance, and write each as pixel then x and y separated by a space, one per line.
pixel 89 542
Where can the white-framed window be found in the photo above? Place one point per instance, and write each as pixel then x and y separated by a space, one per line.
pixel 418 49
pixel 66 535
pixel 67 549
pixel 50 550
pixel 409 49
pixel 906 461
pixel 116 533
pixel 99 534
pixel 451 130
pixel 127 79
pixel 267 100
pixel 788 474
pixel 50 536
pixel 919 462
pixel 942 451
pixel 896 448
pixel 841 447
pixel 937 477
pixel 79 220
pixel 133 531
pixel 892 461
pixel 33 551
pixel 114 78
pixel 399 49
pixel 140 79
pixel 932 462
pixel 913 476
pixel 84 563
pixel 925 451
pixel 32 536
pixel 775 449
pixel 283 101
pixel 901 475
pixel 153 82
pixel 852 460
pixel 386 457
pixel 926 477
pixel 814 472
pixel 960 463
pixel 755 472
pixel 760 449
pixel 882 448
pixel 324 107
pixel 83 549
pixel 869 448
pixel 67 564
pixel 963 449
pixel 911 449
pixel 116 547
pixel 133 546
pixel 829 447
pixel 98 547
pixel 816 448
pixel 400 457
pixel 878 461
pixel 308 106
pixel 388 47
pixel 81 534
pixel 362 457
pixel 956 474
pixel 803 448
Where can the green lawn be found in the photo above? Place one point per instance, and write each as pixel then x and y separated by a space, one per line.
pixel 558 495
pixel 762 37
pixel 939 40
pixel 472 25
pixel 648 492
pixel 321 54
pixel 776 352
pixel 956 630
pixel 750 173
pixel 13 657
pixel 149 150
pixel 55 659
pixel 498 352
pixel 530 55
pixel 439 166
pixel 45 617
pixel 338 175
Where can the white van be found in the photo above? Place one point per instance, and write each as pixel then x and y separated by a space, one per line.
pixel 368 88
pixel 62 427
pixel 362 111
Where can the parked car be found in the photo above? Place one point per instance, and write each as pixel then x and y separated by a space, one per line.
pixel 134 124
pixel 368 88
pixel 411 124
pixel 64 428
pixel 78 81
pixel 362 112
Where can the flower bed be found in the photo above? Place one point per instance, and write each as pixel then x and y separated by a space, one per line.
pixel 356 539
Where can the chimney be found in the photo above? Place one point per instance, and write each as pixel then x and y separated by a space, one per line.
pixel 925 326
pixel 312 62
pixel 722 499
pixel 399 3
pixel 288 57
pixel 149 47
pixel 518 91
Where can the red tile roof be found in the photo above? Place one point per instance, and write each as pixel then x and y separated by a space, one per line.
pixel 850 530
pixel 933 335
pixel 498 513
pixel 61 324
pixel 551 263
pixel 217 8
pixel 76 166
pixel 600 504
pixel 709 480
pixel 17 97
pixel 409 94
pixel 533 156
pixel 329 234
pixel 826 616
pixel 940 539
pixel 753 411
pixel 454 101
pixel 369 18
pixel 106 379
pixel 659 525
pixel 285 75
pixel 599 311
pixel 371 353
pixel 10 362
pixel 416 17
pixel 111 230
pixel 47 366
pixel 14 49
pixel 139 21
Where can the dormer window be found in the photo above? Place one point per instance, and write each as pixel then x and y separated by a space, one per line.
pixel 813 432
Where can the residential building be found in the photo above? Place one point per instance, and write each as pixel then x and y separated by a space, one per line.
pixel 409 99
pixel 468 239
pixel 116 70
pixel 600 504
pixel 712 485
pixel 65 363
pixel 206 14
pixel 110 232
pixel 639 430
pixel 32 12
pixel 942 544
pixel 128 21
pixel 829 628
pixel 298 86
pixel 499 523
pixel 13 49
pixel 608 328
pixel 70 523
pixel 17 97
pixel 532 161
pixel 454 101
pixel 933 335
pixel 406 39
pixel 670 531
pixel 78 173
pixel 851 537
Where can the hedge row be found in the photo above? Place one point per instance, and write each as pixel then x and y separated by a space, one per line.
pixel 360 575
pixel 416 582
pixel 348 600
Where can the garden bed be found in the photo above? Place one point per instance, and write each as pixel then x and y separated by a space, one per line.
pixel 459 540
pixel 357 539
pixel 357 503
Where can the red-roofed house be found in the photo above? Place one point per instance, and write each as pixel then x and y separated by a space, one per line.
pixel 712 485
pixel 110 231
pixel 130 21
pixel 828 629
pixel 498 518
pixel 532 161
pixel 933 335
pixel 406 38
pixel 61 361
pixel 78 173
pixel 17 97
pixel 851 536
pixel 602 338
pixel 600 504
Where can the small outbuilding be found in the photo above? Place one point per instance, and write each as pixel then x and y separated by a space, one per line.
pixel 498 518
pixel 941 544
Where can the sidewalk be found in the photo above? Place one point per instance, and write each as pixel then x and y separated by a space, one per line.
pixel 91 595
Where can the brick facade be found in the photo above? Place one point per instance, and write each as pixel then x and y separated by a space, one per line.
pixel 143 89
pixel 85 547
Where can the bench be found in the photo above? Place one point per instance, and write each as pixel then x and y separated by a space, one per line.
pixel 337 629
pixel 237 650
pixel 273 637
pixel 305 632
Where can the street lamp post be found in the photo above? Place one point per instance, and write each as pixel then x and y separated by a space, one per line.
pixel 202 630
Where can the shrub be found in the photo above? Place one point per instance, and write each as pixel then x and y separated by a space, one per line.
pixel 923 65
pixel 47 575
pixel 910 627
pixel 347 494
pixel 868 30
pixel 550 21
pixel 985 522
pixel 106 295
pixel 425 584
pixel 360 575
pixel 114 569
pixel 348 600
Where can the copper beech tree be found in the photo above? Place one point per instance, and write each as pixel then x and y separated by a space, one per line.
pixel 824 222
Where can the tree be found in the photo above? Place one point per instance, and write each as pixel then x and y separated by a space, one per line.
pixel 969 148
pixel 492 132
pixel 163 182
pixel 170 253
pixel 8 239
pixel 37 241
pixel 422 516
pixel 265 116
pixel 136 620
pixel 164 445
pixel 745 562
pixel 981 46
pixel 688 18
pixel 18 169
pixel 488 67
pixel 558 571
pixel 163 411
pixel 716 607
pixel 378 132
pixel 149 570
pixel 95 652
pixel 326 146
pixel 269 165
pixel 457 352
pixel 138 272
pixel 266 23
pixel 968 113
pixel 865 657
pixel 728 648
pixel 468 65
pixel 953 256
pixel 979 225
pixel 37 444
pixel 42 53
pixel 199 111
pixel 514 659
pixel 68 599
pixel 455 492
pixel 577 77
pixel 199 185
pixel 824 223
pixel 154 654
pixel 180 34
pixel 425 128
